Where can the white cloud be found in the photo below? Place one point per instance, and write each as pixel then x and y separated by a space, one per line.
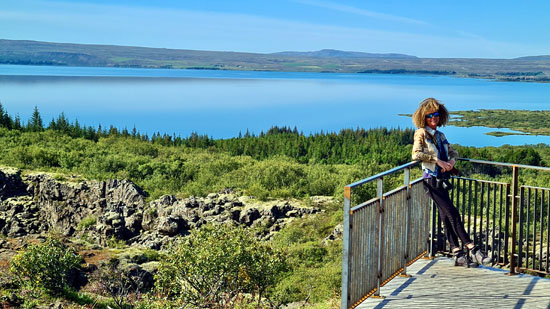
pixel 362 12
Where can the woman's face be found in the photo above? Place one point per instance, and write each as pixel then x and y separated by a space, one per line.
pixel 432 119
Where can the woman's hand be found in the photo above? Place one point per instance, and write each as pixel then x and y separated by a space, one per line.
pixel 445 166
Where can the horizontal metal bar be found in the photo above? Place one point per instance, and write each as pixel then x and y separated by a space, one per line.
pixel 383 174
pixel 394 191
pixel 537 188
pixel 506 164
pixel 365 204
pixel 484 181
pixel 400 188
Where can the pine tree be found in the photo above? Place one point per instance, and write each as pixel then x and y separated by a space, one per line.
pixel 17 123
pixel 2 112
pixel 5 119
pixel 35 123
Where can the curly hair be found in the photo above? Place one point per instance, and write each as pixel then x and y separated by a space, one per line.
pixel 427 106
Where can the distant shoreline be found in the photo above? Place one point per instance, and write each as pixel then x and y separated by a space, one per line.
pixel 381 72
pixel 19 52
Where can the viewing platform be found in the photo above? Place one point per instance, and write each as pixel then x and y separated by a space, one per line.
pixel 394 248
pixel 438 283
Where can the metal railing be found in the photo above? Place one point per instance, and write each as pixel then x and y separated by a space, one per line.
pixel 389 232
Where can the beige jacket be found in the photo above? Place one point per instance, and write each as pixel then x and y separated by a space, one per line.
pixel 425 148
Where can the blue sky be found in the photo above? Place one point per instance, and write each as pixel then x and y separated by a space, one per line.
pixel 485 29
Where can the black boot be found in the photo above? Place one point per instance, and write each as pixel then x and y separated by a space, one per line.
pixel 463 260
pixel 479 256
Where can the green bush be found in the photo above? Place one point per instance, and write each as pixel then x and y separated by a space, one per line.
pixel 86 223
pixel 45 266
pixel 215 265
pixel 151 255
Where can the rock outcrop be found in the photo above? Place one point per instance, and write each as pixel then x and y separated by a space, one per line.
pixel 116 210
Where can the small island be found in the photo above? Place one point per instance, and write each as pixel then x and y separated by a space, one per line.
pixel 528 122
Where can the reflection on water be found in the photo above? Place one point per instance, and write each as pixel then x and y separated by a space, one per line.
pixel 224 103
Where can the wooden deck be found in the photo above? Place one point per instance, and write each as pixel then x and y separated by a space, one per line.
pixel 439 284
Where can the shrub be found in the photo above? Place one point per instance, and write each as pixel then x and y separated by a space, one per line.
pixel 215 265
pixel 86 223
pixel 151 255
pixel 118 284
pixel 45 266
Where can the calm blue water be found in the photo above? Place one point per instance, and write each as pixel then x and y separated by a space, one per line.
pixel 223 103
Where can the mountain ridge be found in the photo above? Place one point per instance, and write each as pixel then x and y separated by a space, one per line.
pixel 335 53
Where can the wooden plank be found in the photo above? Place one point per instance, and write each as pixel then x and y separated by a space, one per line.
pixel 439 284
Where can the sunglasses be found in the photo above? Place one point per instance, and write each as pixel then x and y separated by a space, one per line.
pixel 430 116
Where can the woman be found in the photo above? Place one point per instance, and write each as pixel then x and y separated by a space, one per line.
pixel 438 159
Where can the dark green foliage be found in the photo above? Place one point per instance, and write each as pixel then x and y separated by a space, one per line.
pixel 35 123
pixel 6 121
pixel 46 266
pixel 348 146
pixel 216 264
pixel 280 163
pixel 505 154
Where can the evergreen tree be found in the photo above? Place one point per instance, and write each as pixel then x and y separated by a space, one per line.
pixel 5 119
pixel 17 123
pixel 62 123
pixel 35 123
pixel 52 125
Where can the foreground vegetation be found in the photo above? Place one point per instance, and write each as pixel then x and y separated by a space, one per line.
pixel 220 266
pixel 296 265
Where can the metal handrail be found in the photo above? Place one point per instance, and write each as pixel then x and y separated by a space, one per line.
pixel 383 174
pixel 542 168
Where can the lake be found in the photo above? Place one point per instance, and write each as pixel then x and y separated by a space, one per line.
pixel 223 103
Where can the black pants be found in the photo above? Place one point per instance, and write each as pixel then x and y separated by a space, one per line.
pixel 454 227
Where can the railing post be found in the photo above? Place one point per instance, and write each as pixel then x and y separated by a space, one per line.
pixel 406 183
pixel 380 196
pixel 346 245
pixel 433 229
pixel 514 198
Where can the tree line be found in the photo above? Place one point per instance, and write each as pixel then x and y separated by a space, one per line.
pixel 348 146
